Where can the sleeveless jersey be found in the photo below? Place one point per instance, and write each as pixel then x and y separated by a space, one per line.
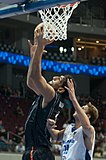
pixel 36 134
pixel 73 147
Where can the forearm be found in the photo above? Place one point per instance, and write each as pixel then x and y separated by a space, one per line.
pixel 54 133
pixel 34 70
pixel 57 135
pixel 82 115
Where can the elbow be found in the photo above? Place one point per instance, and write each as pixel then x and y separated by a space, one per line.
pixel 29 82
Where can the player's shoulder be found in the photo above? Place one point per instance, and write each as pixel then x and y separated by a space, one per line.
pixel 92 129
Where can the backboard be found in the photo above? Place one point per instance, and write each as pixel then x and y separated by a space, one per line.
pixel 10 8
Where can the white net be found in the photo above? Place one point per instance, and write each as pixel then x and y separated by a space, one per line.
pixel 55 21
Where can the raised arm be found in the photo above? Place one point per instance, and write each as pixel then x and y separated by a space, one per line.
pixel 84 120
pixel 35 80
pixel 30 82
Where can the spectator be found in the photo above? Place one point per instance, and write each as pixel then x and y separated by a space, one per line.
pixel 20 148
pixel 11 146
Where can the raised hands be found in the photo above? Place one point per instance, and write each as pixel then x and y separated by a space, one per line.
pixel 38 39
pixel 71 89
pixel 38 35
pixel 32 48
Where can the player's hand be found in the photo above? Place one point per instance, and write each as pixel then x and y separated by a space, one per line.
pixel 38 35
pixel 32 48
pixel 51 124
pixel 70 89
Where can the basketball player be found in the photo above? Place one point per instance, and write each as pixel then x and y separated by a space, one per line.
pixel 77 139
pixel 47 104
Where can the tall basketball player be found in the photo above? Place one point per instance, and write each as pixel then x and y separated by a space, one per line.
pixel 77 139
pixel 48 102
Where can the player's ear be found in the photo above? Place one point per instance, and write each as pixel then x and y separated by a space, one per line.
pixel 61 90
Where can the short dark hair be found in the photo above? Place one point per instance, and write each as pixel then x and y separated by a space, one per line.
pixel 93 111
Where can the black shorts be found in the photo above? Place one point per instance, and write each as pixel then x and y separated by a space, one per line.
pixel 39 154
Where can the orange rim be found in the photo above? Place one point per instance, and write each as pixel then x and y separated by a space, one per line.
pixel 71 5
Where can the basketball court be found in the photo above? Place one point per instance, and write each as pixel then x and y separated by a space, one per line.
pixel 9 156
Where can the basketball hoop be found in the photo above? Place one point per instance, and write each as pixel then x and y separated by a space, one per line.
pixel 55 21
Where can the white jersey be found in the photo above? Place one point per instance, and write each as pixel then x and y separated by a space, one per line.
pixel 73 147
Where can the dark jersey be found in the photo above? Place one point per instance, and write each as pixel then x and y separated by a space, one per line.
pixel 36 134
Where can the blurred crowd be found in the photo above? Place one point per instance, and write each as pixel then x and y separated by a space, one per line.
pixel 11 142
pixel 13 113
